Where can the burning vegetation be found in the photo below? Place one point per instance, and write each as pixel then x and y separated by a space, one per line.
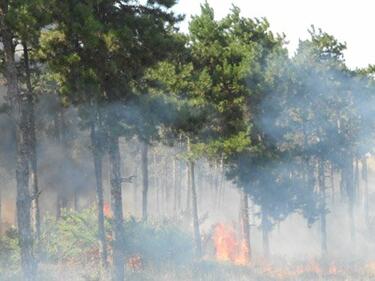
pixel 228 247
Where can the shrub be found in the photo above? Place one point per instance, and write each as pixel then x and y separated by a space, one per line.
pixel 9 253
pixel 73 238
pixel 158 242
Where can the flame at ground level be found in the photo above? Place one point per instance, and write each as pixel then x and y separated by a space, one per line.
pixel 107 210
pixel 228 247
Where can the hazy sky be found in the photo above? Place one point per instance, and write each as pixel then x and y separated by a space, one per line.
pixel 351 21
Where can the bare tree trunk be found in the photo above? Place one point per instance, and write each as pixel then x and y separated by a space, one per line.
pixel 157 190
pixel 100 202
pixel 174 183
pixel 178 183
pixel 32 146
pixel 215 186
pixel 98 167
pixel 62 203
pixel 144 152
pixel 308 170
pixel 116 198
pixel 265 235
pixel 194 202
pixel 221 183
pixel 167 185
pixel 24 211
pixel 1 212
pixel 188 192
pixel 36 193
pixel 342 185
pixel 19 112
pixel 350 189
pixel 333 183
pixel 197 235
pixel 356 181
pixel 155 181
pixel 62 197
pixel 352 221
pixel 245 223
pixel 323 225
pixel 179 180
pixel 135 192
pixel 366 201
pixel 162 186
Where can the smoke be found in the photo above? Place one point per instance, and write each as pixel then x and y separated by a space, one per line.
pixel 314 114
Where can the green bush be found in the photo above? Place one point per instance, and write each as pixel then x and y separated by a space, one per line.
pixel 9 253
pixel 74 238
pixel 68 238
pixel 158 242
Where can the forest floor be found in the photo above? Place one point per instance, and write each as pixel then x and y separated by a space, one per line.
pixel 204 271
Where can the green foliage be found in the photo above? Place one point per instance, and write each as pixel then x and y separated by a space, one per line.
pixel 158 242
pixel 74 238
pixel 213 80
pixel 4 108
pixel 9 254
pixel 26 18
pixel 70 237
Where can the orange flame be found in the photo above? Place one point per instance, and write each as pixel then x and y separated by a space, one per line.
pixel 370 267
pixel 107 210
pixel 227 246
pixel 333 269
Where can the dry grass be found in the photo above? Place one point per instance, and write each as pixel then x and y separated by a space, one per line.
pixel 204 271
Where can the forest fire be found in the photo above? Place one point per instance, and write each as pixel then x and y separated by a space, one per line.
pixel 163 140
pixel 107 210
pixel 370 267
pixel 312 267
pixel 228 247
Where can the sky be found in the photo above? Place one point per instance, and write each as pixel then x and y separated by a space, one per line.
pixel 350 21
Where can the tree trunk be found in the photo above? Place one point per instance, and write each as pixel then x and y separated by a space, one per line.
pixel 188 192
pixel 342 185
pixel 333 183
pixel 32 146
pixel 62 203
pixel 245 224
pixel 135 192
pixel 167 185
pixel 265 235
pixel 194 200
pixel 116 197
pixel 98 167
pixel 1 212
pixel 323 225
pixel 174 183
pixel 365 179
pixel 356 181
pixel 220 183
pixel 162 186
pixel 62 197
pixel 178 183
pixel 350 189
pixel 144 151
pixel 19 112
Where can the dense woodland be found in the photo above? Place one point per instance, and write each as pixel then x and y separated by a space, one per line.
pixel 126 143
